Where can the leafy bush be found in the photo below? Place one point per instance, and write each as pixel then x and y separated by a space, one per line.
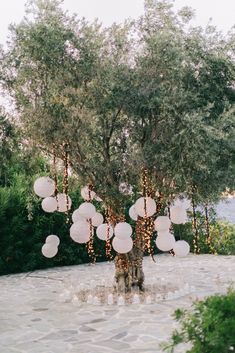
pixel 222 235
pixel 24 227
pixel 209 327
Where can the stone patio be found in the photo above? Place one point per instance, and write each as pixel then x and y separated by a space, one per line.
pixel 36 318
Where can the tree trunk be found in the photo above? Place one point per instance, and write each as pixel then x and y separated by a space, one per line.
pixel 129 271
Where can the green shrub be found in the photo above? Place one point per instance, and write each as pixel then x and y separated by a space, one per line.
pixel 24 227
pixel 209 327
pixel 222 235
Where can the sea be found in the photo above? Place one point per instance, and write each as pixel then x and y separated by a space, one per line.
pixel 226 210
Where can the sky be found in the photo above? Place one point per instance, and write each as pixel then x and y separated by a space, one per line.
pixel 108 11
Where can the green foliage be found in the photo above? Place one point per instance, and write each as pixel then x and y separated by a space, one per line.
pixel 24 228
pixel 222 234
pixel 209 327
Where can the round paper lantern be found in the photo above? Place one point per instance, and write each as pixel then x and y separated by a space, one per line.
pixel 150 206
pixel 132 213
pixel 81 239
pixel 97 219
pixel 178 215
pixel 181 248
pixel 49 250
pixel 165 241
pixel 87 210
pixel 80 228
pixel 162 223
pixel 87 194
pixel 104 231
pixel 64 202
pixel 76 216
pixel 49 204
pixel 123 230
pixel 122 246
pixel 44 187
pixel 53 239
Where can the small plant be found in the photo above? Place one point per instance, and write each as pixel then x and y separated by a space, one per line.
pixel 208 328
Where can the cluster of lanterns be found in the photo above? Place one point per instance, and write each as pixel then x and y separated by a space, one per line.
pixel 86 219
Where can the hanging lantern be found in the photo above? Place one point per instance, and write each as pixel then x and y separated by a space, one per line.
pixel 76 216
pixel 97 219
pixel 64 202
pixel 80 228
pixel 49 204
pixel 122 246
pixel 49 250
pixel 87 210
pixel 162 223
pixel 53 239
pixel 178 215
pixel 145 207
pixel 87 194
pixel 44 187
pixel 165 241
pixel 122 230
pixel 181 248
pixel 132 213
pixel 104 231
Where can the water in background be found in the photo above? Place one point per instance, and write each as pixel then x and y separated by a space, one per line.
pixel 226 210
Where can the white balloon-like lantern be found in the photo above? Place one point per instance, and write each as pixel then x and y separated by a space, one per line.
pixel 87 194
pixel 49 250
pixel 97 219
pixel 44 187
pixel 132 213
pixel 104 231
pixel 80 228
pixel 162 223
pixel 76 216
pixel 123 230
pixel 87 210
pixel 53 239
pixel 181 248
pixel 178 215
pixel 64 202
pixel 122 246
pixel 145 211
pixel 49 204
pixel 165 241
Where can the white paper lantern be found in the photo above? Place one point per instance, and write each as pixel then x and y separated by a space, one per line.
pixel 87 194
pixel 165 241
pixel 104 231
pixel 150 206
pixel 80 228
pixel 49 204
pixel 122 230
pixel 181 248
pixel 97 219
pixel 122 246
pixel 44 187
pixel 49 250
pixel 87 210
pixel 53 239
pixel 64 202
pixel 76 216
pixel 132 213
pixel 82 239
pixel 162 223
pixel 178 215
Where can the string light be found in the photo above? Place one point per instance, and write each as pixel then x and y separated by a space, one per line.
pixel 208 235
pixel 195 228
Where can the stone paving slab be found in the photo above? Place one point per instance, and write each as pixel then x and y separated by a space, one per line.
pixel 33 319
